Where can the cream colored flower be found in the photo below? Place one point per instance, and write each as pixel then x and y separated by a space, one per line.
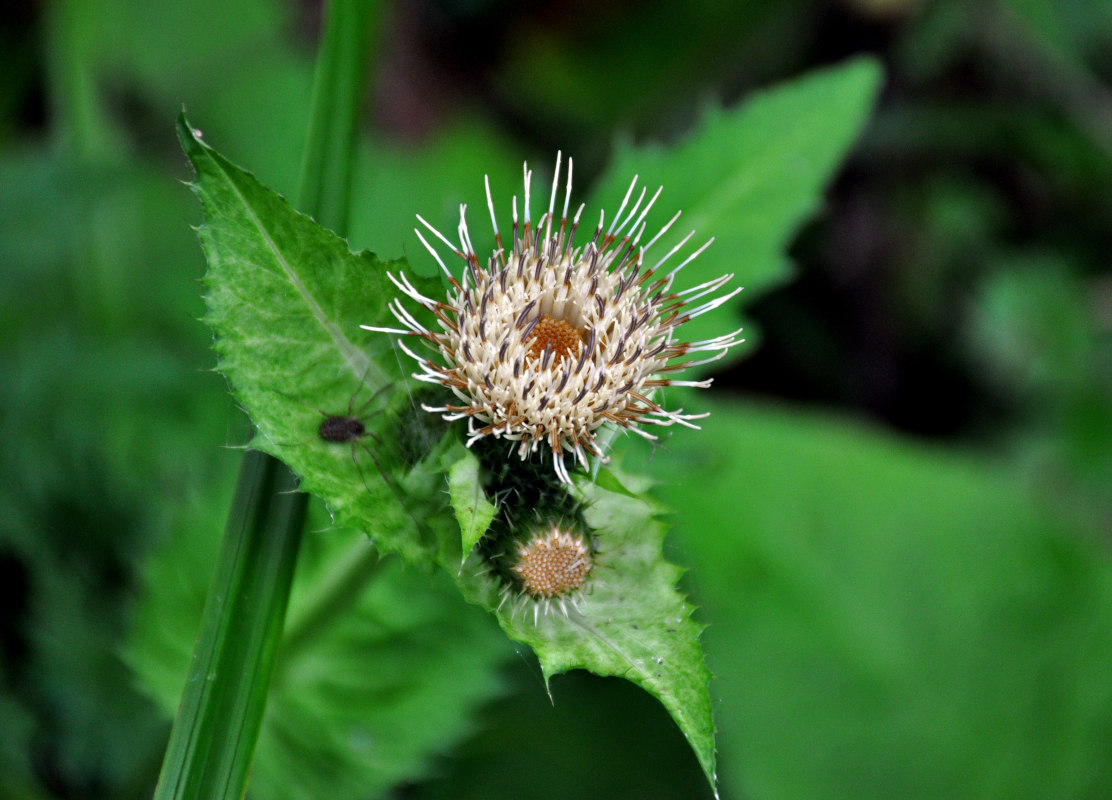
pixel 548 342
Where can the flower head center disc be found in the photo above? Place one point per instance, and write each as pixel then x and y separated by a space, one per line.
pixel 559 335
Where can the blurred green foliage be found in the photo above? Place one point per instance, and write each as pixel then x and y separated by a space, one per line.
pixel 889 618
pixel 927 629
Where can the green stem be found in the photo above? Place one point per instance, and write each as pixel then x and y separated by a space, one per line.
pixel 214 735
pixel 81 126
pixel 87 143
pixel 346 579
pixel 213 739
pixel 324 191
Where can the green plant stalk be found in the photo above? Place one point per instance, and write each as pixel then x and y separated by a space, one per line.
pixel 214 736
pixel 217 726
pixel 82 128
pixel 86 141
pixel 349 575
pixel 324 191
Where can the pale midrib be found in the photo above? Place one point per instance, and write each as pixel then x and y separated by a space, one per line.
pixel 355 358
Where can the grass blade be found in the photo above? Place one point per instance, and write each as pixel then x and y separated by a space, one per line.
pixel 214 735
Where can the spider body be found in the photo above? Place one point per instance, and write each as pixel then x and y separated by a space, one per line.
pixel 350 428
pixel 340 429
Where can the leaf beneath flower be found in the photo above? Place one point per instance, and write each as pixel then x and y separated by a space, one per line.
pixel 629 620
pixel 473 511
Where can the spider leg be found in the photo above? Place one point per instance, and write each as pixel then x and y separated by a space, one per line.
pixel 390 484
pixel 358 412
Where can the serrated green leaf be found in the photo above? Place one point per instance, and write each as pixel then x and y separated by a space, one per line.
pixel 286 299
pixel 473 511
pixel 748 177
pixel 629 620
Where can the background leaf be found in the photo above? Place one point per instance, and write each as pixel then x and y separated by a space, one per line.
pixel 748 177
pixel 870 648
pixel 576 741
pixel 398 182
pixel 364 696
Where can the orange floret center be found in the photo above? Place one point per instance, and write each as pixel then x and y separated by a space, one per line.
pixel 559 334
pixel 552 566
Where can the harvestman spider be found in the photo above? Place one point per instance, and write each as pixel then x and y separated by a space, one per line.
pixel 351 428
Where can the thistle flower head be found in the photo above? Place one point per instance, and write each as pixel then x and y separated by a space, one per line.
pixel 547 342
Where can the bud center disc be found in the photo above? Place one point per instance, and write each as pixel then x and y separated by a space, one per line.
pixel 553 565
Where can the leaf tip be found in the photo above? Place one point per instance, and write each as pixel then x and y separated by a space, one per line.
pixel 189 136
pixel 872 70
pixel 865 71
